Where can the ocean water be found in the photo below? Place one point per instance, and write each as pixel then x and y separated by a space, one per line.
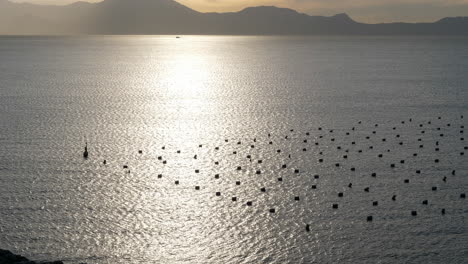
pixel 224 99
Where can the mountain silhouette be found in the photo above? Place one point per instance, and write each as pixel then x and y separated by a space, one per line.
pixel 170 17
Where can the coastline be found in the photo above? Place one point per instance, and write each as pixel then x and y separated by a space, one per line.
pixel 8 257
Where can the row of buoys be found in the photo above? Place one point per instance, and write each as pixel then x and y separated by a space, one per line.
pixel 341 148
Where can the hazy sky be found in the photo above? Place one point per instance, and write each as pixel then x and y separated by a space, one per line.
pixel 362 10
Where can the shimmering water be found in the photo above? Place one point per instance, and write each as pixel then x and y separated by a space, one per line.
pixel 125 94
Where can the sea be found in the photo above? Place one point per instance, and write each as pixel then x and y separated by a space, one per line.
pixel 234 149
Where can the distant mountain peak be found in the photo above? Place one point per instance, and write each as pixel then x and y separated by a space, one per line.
pixel 269 10
pixel 343 17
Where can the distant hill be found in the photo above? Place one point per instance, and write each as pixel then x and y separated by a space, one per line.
pixel 170 17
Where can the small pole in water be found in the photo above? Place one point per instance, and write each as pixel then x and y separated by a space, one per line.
pixel 85 153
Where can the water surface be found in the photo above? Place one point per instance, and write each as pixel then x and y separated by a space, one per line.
pixel 125 94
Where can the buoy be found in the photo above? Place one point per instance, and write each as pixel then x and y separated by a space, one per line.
pixel 195 157
pixel 350 185
pixel 234 199
pixel 238 183
pixel 366 189
pixel 104 162
pixel 394 197
pixel 369 218
pixel 375 203
pixel 434 188
pixel 176 182
pixel 316 176
pixel 140 152
pixel 425 202
pixel 197 171
pixel 442 211
pixel 239 168
pixel 414 213
pixel 249 203
pixel 406 181
pixel 85 152
pixel 272 210
pixel 296 198
pixel 263 189
pixel 374 174
pixel 280 179
pixel 314 186
pixel 340 194
pixel 307 228
pixel 218 193
pixel 335 206
pixel 463 196
pixel 197 188
pixel 216 176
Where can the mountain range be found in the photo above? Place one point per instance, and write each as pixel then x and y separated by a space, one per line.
pixel 169 17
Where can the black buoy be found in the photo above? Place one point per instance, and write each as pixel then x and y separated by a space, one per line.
pixel 375 203
pixel 394 197
pixel 335 206
pixel 369 218
pixel 218 193
pixel 307 228
pixel 197 188
pixel 272 210
pixel 442 211
pixel 414 213
pixel 85 152
pixel 234 199
pixel 249 203
pixel 297 198
pixel 263 189
pixel 425 202
pixel 104 162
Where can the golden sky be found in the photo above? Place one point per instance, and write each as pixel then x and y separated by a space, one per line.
pixel 372 11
